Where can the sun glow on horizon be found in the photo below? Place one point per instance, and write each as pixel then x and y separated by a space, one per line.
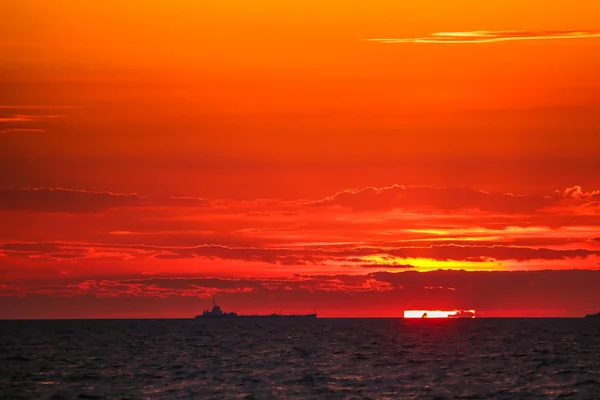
pixel 439 314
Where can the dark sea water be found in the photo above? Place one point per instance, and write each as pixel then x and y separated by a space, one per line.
pixel 323 358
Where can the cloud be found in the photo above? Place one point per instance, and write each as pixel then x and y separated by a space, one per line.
pixel 428 198
pixel 352 230
pixel 28 117
pixel 63 200
pixel 31 247
pixel 577 193
pixel 492 36
pixel 25 119
pixel 387 266
pixel 419 199
pixel 484 253
pixel 389 258
pixel 374 294
pixel 15 118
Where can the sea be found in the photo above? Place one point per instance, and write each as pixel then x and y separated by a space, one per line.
pixel 301 359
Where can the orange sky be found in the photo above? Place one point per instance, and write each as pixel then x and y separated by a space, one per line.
pixel 153 154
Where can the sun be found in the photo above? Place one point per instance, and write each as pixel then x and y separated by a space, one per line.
pixel 439 314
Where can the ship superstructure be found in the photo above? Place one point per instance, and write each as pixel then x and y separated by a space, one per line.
pixel 217 312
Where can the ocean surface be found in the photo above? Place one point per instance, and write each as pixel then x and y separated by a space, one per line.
pixel 322 358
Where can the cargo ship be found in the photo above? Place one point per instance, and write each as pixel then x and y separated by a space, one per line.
pixel 463 314
pixel 216 312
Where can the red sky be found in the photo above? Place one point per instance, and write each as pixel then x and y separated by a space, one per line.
pixel 358 159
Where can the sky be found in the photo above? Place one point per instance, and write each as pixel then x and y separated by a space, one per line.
pixel 357 159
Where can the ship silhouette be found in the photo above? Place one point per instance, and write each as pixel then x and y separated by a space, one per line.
pixel 216 312
pixel 462 314
pixel 597 315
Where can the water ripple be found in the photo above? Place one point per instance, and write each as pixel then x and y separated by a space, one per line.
pixel 360 358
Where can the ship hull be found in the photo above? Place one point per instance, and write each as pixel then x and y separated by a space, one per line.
pixel 309 316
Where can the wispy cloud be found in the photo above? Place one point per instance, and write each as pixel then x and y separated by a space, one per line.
pixel 28 117
pixel 15 118
pixel 491 36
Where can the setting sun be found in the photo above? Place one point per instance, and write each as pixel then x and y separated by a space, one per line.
pixel 439 314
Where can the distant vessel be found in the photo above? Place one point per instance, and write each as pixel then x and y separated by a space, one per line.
pixel 462 314
pixel 216 312
pixel 597 315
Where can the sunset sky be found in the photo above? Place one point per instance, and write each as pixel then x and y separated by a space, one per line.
pixel 360 158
